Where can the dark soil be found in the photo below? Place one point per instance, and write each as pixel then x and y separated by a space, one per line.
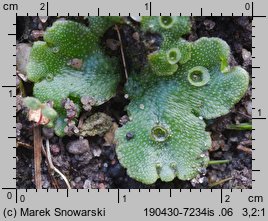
pixel 98 167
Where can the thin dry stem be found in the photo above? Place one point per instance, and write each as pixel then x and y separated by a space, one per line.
pixel 37 157
pixel 25 145
pixel 244 149
pixel 122 51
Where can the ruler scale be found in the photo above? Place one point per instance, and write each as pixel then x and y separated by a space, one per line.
pixel 130 204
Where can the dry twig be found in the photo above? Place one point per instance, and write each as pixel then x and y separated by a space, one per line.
pixel 37 157
pixel 122 51
pixel 21 144
pixel 244 149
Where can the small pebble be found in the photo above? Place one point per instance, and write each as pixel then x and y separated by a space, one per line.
pixel 123 120
pixel 233 139
pixel 249 108
pixel 96 152
pixel 46 184
pixel 194 182
pixel 209 24
pixel 73 184
pixel 87 184
pixel 136 36
pixel 77 179
pixel 203 171
pixel 242 21
pixel 48 132
pixel 136 18
pixel 43 19
pixel 37 34
pixel 87 102
pixel 129 135
pixel 246 54
pixel 54 149
pixel 201 179
pixel 22 57
pixel 18 129
pixel 78 146
pixel 101 186
pixel 116 170
pixel 83 159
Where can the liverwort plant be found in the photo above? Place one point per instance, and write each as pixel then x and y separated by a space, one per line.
pixel 182 84
pixel 70 63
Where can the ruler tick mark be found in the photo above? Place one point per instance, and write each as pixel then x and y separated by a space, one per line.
pixel 47 8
